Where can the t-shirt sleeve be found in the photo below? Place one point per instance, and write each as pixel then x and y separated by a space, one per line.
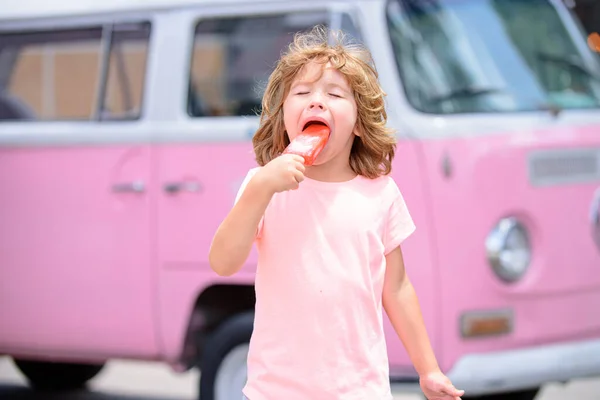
pixel 247 179
pixel 398 224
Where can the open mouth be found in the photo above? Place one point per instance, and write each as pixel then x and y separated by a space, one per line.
pixel 315 123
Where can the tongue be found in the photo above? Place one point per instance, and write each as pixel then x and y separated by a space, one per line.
pixel 309 143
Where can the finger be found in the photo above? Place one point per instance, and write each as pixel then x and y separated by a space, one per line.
pixel 298 158
pixel 299 176
pixel 300 167
pixel 452 391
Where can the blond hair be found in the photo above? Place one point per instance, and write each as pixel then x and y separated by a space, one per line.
pixel 373 151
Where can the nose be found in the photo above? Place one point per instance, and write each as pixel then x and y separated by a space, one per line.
pixel 316 105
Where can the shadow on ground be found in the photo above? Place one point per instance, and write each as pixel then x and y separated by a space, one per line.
pixel 16 392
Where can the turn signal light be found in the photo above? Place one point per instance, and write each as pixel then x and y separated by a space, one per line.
pixel 486 323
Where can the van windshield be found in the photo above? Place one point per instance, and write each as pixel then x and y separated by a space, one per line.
pixel 476 56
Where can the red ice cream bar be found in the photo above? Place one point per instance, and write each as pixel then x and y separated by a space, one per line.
pixel 309 143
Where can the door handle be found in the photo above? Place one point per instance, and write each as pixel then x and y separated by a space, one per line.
pixel 176 187
pixel 129 187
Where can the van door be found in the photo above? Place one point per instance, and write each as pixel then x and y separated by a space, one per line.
pixel 74 172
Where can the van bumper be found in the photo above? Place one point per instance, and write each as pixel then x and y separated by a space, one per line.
pixel 497 372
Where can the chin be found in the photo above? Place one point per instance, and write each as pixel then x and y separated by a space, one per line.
pixel 324 157
pixel 319 161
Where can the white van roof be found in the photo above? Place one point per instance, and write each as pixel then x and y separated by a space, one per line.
pixel 28 9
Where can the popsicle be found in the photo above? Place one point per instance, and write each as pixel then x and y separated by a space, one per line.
pixel 309 143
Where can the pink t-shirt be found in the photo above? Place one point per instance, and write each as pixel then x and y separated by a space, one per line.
pixel 318 330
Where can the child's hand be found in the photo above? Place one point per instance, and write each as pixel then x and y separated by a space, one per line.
pixel 436 386
pixel 282 173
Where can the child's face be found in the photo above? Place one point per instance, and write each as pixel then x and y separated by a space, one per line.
pixel 328 98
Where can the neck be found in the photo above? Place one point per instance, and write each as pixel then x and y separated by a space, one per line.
pixel 336 170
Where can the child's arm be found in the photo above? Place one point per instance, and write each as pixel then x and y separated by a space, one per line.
pixel 233 240
pixel 235 236
pixel 402 307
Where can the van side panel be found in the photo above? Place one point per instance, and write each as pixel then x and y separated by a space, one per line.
pixel 546 181
pixel 75 251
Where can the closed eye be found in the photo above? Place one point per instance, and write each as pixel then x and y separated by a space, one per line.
pixel 335 95
pixel 301 93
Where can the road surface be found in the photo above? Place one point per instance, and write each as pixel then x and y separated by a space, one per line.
pixel 148 381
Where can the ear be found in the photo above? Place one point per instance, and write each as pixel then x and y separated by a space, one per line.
pixel 357 131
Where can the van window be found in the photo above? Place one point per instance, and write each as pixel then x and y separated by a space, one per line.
pixel 475 56
pixel 233 57
pixel 66 74
pixel 126 71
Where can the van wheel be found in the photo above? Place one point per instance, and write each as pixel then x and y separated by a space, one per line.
pixel 529 394
pixel 57 376
pixel 223 370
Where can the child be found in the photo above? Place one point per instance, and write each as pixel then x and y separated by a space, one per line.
pixel 328 237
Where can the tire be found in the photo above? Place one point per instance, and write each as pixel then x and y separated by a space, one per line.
pixel 529 394
pixel 57 376
pixel 223 370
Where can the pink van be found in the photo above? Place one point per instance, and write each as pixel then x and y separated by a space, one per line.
pixel 125 133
